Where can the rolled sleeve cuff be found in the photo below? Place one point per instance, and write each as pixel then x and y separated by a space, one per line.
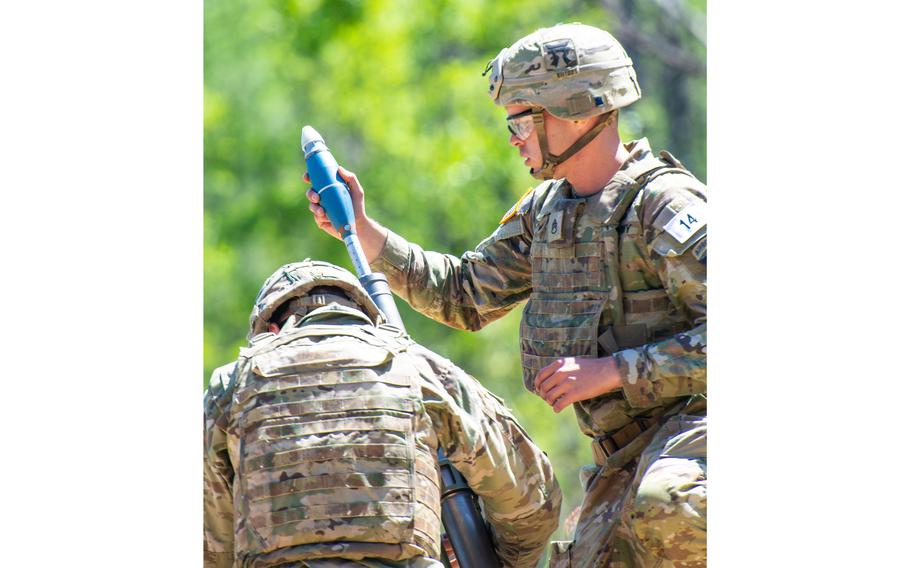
pixel 394 255
pixel 634 368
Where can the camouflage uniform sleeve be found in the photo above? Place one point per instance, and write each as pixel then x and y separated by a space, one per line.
pixel 511 475
pixel 675 366
pixel 218 475
pixel 471 291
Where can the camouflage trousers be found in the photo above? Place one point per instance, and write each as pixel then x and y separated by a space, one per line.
pixel 645 507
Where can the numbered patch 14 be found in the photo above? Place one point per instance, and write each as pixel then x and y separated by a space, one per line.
pixel 688 221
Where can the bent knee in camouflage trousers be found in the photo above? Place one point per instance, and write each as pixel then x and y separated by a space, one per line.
pixel 653 514
pixel 669 509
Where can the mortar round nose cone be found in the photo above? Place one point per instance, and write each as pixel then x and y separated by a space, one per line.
pixel 309 134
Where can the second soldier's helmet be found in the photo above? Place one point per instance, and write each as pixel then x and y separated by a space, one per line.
pixel 574 71
pixel 296 280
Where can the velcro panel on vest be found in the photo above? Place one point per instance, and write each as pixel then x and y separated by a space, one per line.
pixel 558 325
pixel 334 354
pixel 579 250
pixel 557 328
pixel 567 268
pixel 287 438
pixel 563 313
pixel 333 511
pixel 352 380
pixel 390 454
pixel 324 406
pixel 285 484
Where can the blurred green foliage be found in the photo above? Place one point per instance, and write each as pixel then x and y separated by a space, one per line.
pixel 395 87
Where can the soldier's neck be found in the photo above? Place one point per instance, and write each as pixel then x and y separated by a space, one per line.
pixel 591 169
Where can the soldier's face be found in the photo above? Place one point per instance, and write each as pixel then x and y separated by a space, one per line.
pixel 560 135
pixel 529 148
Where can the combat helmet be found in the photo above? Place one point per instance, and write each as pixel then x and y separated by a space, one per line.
pixel 573 71
pixel 296 280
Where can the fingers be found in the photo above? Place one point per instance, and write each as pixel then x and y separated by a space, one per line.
pixel 555 387
pixel 319 216
pixel 318 212
pixel 561 403
pixel 322 221
pixel 350 178
pixel 557 383
pixel 546 372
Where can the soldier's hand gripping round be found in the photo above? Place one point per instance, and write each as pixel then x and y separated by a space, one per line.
pixel 371 234
pixel 357 200
pixel 573 379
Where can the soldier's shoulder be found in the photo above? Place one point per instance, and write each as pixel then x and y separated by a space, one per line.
pixel 221 376
pixel 430 364
pixel 440 372
pixel 530 200
pixel 516 221
pixel 219 390
pixel 544 194
pixel 666 192
pixel 220 381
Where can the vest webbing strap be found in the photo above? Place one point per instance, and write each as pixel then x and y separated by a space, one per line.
pixel 641 173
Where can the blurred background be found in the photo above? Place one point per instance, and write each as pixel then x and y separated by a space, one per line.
pixel 395 88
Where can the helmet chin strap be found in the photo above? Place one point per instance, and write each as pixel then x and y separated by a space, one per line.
pixel 549 160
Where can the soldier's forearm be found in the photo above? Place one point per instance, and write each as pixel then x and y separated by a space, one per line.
pixel 669 368
pixel 372 237
pixel 466 292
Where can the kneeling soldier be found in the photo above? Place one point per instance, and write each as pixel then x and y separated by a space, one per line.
pixel 320 441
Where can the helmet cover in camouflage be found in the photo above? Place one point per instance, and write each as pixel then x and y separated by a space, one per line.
pixel 295 280
pixel 574 71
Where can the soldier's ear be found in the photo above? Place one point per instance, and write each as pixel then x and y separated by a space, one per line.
pixel 273 328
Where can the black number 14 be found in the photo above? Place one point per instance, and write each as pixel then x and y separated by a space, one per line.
pixel 692 220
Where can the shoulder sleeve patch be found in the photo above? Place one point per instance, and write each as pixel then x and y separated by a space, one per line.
pixel 687 222
pixel 514 210
pixel 507 230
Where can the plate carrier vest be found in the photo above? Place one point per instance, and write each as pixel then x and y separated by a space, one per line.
pixel 327 449
pixel 578 307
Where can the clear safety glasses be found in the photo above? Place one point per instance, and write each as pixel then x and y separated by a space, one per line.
pixel 522 124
